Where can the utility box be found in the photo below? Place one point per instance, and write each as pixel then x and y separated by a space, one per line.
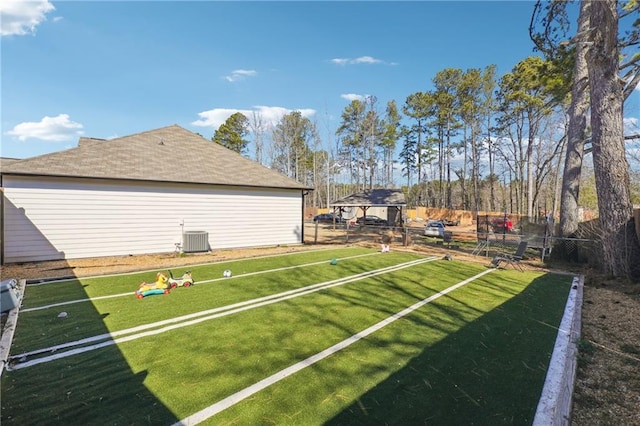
pixel 9 295
pixel 195 241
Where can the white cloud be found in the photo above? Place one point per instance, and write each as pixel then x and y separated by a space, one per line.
pixel 270 115
pixel 51 129
pixel 22 17
pixel 340 61
pixel 366 60
pixel 215 117
pixel 359 60
pixel 240 75
pixel 352 97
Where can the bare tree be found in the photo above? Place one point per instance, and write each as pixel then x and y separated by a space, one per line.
pixel 258 129
pixel 524 104
pixel 291 141
pixel 547 157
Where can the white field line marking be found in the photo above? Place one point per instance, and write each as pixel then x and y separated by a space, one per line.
pixel 180 322
pixel 306 289
pixel 111 296
pixel 233 399
pixel 63 280
pixel 216 310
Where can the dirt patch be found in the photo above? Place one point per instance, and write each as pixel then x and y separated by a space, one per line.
pixel 118 264
pixel 607 388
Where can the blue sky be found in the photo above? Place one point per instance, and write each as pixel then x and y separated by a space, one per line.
pixel 109 69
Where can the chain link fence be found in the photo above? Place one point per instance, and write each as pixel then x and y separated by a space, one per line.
pixel 491 235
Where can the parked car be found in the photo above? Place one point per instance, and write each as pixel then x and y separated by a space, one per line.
pixel 434 228
pixel 372 220
pixel 451 222
pixel 328 218
pixel 499 224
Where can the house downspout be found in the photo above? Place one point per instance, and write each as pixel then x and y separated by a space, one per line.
pixel 304 194
pixel 1 221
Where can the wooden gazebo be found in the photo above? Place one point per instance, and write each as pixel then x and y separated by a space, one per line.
pixel 392 199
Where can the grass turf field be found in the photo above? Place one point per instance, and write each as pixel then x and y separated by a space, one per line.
pixel 477 354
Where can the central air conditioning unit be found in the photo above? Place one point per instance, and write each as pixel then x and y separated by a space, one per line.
pixel 195 241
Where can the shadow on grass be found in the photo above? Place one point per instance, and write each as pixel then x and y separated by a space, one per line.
pixel 82 389
pixel 489 372
pixel 414 290
pixel 457 380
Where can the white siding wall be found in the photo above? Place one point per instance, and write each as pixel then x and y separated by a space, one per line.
pixel 71 218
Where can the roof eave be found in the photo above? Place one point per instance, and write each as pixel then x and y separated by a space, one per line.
pixel 299 188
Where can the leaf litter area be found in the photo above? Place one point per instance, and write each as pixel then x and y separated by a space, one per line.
pixel 607 389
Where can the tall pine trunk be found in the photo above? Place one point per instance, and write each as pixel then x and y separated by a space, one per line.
pixel 619 241
pixel 577 131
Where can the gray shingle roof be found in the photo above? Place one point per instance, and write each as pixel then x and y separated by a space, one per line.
pixel 168 154
pixel 6 161
pixel 372 198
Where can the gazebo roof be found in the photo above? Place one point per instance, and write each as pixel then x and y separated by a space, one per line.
pixel 372 198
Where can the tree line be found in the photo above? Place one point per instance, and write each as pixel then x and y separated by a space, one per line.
pixel 474 142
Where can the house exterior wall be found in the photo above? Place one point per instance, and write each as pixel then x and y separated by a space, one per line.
pixel 61 218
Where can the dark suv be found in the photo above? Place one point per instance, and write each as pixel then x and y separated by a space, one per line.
pixel 372 220
pixel 328 218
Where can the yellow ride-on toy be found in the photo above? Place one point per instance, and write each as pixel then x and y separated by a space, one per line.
pixel 185 281
pixel 161 286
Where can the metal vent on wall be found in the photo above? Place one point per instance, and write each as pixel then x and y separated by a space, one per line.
pixel 195 241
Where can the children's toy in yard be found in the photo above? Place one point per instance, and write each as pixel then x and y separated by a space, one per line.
pixel 161 286
pixel 185 281
pixel 385 240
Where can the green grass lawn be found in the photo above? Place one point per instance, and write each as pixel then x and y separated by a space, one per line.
pixel 477 355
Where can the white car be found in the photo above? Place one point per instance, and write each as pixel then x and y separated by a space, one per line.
pixel 434 228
